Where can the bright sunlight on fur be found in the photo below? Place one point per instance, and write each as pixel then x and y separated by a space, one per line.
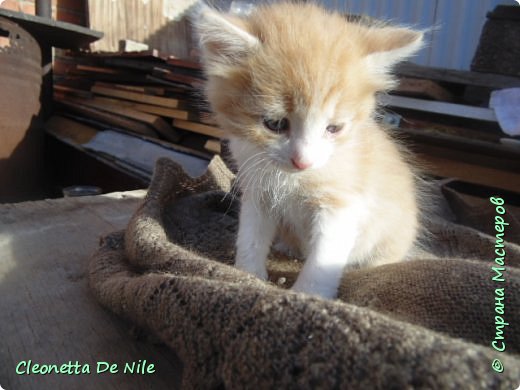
pixel 293 86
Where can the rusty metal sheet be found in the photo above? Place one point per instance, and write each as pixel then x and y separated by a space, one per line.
pixel 21 139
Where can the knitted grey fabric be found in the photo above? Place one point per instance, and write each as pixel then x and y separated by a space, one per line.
pixel 427 323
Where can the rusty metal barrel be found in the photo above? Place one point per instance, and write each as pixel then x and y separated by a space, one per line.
pixel 21 131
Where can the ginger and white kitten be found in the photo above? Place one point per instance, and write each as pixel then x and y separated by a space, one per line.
pixel 294 86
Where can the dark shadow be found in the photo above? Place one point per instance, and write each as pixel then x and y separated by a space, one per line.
pixel 22 173
pixel 21 150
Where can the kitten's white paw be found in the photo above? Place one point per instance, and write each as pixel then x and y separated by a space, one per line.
pixel 259 271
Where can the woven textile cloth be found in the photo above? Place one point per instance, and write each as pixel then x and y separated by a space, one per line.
pixel 425 323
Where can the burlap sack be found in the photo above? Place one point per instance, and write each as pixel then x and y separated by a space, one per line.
pixel 427 323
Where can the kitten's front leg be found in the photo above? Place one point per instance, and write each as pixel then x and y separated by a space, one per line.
pixel 255 234
pixel 333 236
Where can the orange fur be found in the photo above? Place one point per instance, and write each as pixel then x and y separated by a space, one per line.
pixel 302 62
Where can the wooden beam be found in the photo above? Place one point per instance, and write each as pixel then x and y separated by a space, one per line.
pixel 491 154
pixel 146 89
pixel 156 122
pixel 199 128
pixel 422 88
pixel 213 146
pixel 117 121
pixel 490 80
pixel 136 97
pixel 70 129
pixel 450 109
pixel 144 108
pixel 433 161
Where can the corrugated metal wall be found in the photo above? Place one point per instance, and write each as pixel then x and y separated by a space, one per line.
pixel 457 23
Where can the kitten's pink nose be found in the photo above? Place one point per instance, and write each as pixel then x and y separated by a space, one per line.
pixel 300 164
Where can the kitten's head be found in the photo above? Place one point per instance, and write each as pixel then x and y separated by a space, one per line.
pixel 296 80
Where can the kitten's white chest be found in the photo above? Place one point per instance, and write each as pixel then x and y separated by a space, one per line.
pixel 282 198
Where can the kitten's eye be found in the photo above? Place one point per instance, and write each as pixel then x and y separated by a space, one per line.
pixel 333 129
pixel 277 126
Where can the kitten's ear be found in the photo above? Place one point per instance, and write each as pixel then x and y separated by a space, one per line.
pixel 390 45
pixel 224 39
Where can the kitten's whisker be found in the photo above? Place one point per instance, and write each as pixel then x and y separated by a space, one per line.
pixel 252 172
pixel 244 176
pixel 241 169
pixel 248 176
pixel 247 171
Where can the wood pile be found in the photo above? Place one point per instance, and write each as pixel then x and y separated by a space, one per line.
pixel 444 113
pixel 138 92
pixel 447 118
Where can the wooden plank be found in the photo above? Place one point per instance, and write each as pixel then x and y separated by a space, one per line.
pixel 108 118
pixel 423 89
pixel 97 69
pixel 178 78
pixel 213 146
pixel 438 162
pixel 199 128
pixel 128 45
pixel 122 110
pixel 153 140
pixel 145 89
pixel 96 73
pixel 137 97
pixel 70 129
pixel 144 54
pixel 132 63
pixel 182 63
pixel 73 91
pixel 477 134
pixel 56 33
pixel 156 122
pixel 159 23
pixel 145 108
pixel 494 81
pixel 173 84
pixel 496 155
pixel 449 109
pixel 49 313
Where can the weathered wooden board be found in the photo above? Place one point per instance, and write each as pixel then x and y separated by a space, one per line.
pixel 489 80
pixel 49 315
pixel 213 146
pixel 158 23
pixel 199 128
pixel 449 163
pixel 137 97
pixel 70 129
pixel 144 108
pixel 442 108
pixel 108 118
pixel 422 88
pixel 154 121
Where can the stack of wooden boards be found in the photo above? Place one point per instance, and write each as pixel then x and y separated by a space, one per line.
pixel 142 93
pixel 446 116
pixel 445 113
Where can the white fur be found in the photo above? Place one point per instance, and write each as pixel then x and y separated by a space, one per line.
pixel 308 142
pixel 381 61
pixel 333 236
pixel 255 235
pixel 347 193
pixel 271 197
pixel 222 42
